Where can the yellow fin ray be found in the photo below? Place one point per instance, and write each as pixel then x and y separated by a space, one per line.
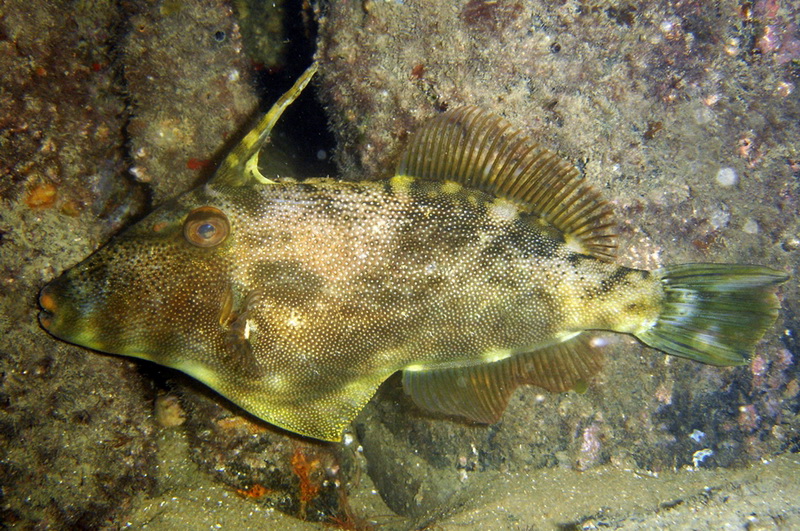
pixel 481 150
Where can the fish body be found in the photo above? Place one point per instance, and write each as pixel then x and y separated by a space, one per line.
pixel 478 267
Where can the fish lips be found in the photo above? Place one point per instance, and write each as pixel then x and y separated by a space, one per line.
pixel 51 304
pixel 60 315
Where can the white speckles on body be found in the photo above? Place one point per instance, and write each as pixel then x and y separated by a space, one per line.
pixel 402 276
pixel 295 320
pixel 324 289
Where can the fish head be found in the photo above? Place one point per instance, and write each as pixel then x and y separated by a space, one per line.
pixel 199 286
pixel 162 290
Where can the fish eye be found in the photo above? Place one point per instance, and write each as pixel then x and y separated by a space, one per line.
pixel 206 227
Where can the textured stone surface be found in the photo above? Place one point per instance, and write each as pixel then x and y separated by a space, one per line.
pixel 188 79
pixel 78 425
pixel 75 432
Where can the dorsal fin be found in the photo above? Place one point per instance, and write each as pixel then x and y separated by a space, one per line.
pixel 240 167
pixel 481 150
pixel 481 392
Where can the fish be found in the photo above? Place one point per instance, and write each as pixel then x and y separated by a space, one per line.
pixel 484 263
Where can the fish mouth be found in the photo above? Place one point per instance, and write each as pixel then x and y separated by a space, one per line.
pixel 57 315
pixel 49 305
pixel 62 316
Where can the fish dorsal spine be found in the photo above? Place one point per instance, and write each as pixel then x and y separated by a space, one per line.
pixel 481 150
pixel 240 167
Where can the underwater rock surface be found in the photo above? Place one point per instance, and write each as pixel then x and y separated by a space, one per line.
pixel 75 430
pixel 190 91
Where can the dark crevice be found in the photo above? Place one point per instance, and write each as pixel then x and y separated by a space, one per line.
pixel 302 133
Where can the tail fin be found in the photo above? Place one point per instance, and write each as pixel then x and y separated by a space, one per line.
pixel 714 313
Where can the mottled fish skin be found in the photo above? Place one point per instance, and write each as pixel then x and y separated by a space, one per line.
pixel 353 282
pixel 295 300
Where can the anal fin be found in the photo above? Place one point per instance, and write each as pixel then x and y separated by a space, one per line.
pixel 481 392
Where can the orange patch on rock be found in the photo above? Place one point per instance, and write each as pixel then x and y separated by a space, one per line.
pixel 41 196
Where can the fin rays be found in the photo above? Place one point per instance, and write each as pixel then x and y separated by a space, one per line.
pixel 481 392
pixel 483 151
pixel 714 313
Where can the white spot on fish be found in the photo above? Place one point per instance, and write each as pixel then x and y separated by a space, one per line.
pixel 503 210
pixel 295 319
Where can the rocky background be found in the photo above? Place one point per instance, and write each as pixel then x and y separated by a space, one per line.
pixel 685 113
